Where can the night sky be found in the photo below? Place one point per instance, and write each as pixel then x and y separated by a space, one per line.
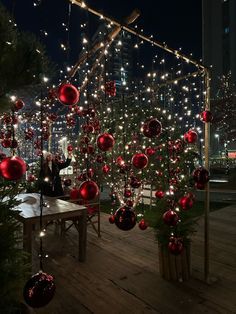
pixel 178 23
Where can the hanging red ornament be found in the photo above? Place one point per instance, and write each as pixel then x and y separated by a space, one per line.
pixel 125 218
pixel 105 142
pixel 88 128
pixel 135 182
pixel 150 151
pixel 170 218
pixel 186 202
pixel 68 94
pixel 142 224
pixel 39 290
pixel 70 148
pixel 6 143
pixel 127 193
pixel 106 169
pixel 19 104
pixel 140 161
pixel 120 161
pixel 12 168
pixel 74 193
pixel 88 190
pixel 159 194
pixel 112 219
pixel 152 128
pixel 67 182
pixel 206 116
pixel 190 137
pixel 201 175
pixel 175 246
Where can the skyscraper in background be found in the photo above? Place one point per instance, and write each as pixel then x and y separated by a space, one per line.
pixel 219 38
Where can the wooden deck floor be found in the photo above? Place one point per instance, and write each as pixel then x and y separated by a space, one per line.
pixel 121 272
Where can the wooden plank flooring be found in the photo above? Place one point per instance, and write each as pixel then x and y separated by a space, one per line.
pixel 121 272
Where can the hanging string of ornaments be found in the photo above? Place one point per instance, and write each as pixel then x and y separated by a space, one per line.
pixel 147 150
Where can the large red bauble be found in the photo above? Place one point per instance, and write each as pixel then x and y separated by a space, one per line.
pixel 105 142
pixel 201 175
pixel 12 168
pixel 170 218
pixel 68 94
pixel 206 116
pixel 125 218
pixel 190 137
pixel 39 290
pixel 19 104
pixel 152 128
pixel 175 246
pixel 140 161
pixel 88 190
pixel 142 224
pixel 186 202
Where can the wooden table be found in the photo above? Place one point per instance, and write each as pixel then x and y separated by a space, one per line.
pixel 54 209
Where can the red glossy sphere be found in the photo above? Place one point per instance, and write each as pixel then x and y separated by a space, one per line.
pixel 70 148
pixel 88 190
pixel 68 94
pixel 19 104
pixel 106 169
pixel 39 290
pixel 13 168
pixel 125 218
pixel 170 218
pixel 201 175
pixel 112 219
pixel 190 137
pixel 142 224
pixel 175 246
pixel 152 128
pixel 150 151
pixel 186 202
pixel 105 142
pixel 140 161
pixel 206 116
pixel 159 194
pixel 127 193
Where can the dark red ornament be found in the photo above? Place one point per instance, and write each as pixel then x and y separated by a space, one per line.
pixel 99 159
pixel 125 218
pixel 12 168
pixel 186 202
pixel 170 218
pixel 39 290
pixel 120 161
pixel 127 193
pixel 19 104
pixel 140 161
pixel 106 169
pixel 68 94
pixel 206 116
pixel 190 137
pixel 88 190
pixel 112 219
pixel 129 203
pixel 152 128
pixel 70 148
pixel 159 194
pixel 105 142
pixel 6 143
pixel 150 151
pixel 175 246
pixel 31 177
pixel 142 224
pixel 201 175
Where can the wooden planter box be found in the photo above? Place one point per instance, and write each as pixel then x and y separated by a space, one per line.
pixel 174 267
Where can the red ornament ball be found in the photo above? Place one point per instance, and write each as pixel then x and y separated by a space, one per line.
pixel 201 175
pixel 125 218
pixel 39 290
pixel 88 190
pixel 6 143
pixel 105 142
pixel 112 219
pixel 106 169
pixel 170 218
pixel 186 202
pixel 159 194
pixel 206 116
pixel 19 104
pixel 70 148
pixel 142 224
pixel 175 246
pixel 68 94
pixel 12 168
pixel 140 161
pixel 152 128
pixel 150 151
pixel 127 193
pixel 31 177
pixel 190 137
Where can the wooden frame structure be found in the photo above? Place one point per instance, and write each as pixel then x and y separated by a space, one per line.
pixel 206 72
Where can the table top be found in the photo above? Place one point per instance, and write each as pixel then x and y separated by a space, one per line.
pixel 54 208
